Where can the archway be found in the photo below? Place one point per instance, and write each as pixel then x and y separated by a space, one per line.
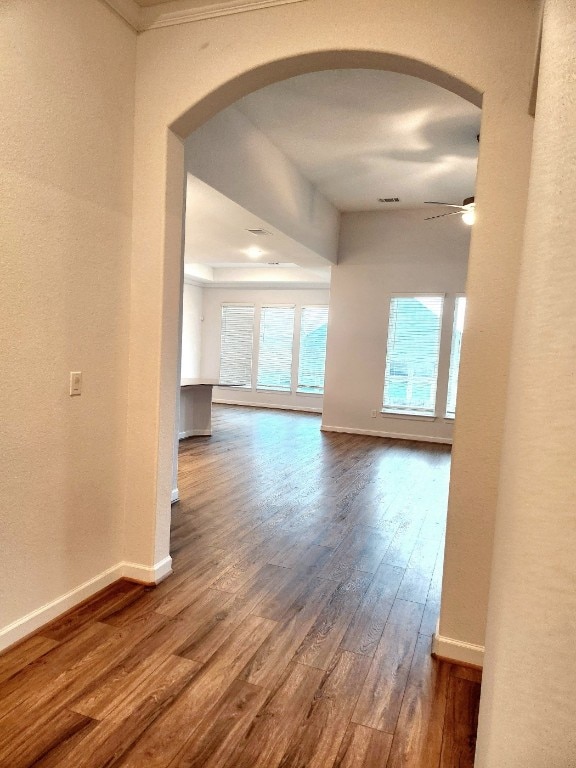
pixel 157 221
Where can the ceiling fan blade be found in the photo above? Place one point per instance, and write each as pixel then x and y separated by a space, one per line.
pixel 441 215
pixel 448 205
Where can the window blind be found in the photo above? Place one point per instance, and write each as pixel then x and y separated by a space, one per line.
pixel 412 354
pixel 312 356
pixel 459 315
pixel 275 349
pixel 236 339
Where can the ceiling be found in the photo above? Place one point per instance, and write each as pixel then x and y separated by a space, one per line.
pixel 363 134
pixel 357 135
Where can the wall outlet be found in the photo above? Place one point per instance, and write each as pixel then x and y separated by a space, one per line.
pixel 374 413
pixel 75 383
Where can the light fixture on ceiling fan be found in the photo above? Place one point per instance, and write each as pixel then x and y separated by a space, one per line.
pixel 467 210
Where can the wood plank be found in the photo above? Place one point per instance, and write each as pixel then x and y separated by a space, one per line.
pixel 216 741
pixel 166 737
pixel 273 726
pixel 316 740
pixel 418 736
pixel 20 749
pixel 461 724
pixel 367 625
pixel 363 747
pixel 23 654
pixel 105 603
pixel 274 655
pixel 107 743
pixel 321 643
pixel 379 703
pixel 211 633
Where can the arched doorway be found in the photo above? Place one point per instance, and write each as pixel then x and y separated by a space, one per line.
pixel 157 243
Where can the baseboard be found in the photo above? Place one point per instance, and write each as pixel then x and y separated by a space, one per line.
pixel 303 408
pixel 144 574
pixel 194 433
pixel 175 495
pixel 381 433
pixel 457 651
pixel 34 620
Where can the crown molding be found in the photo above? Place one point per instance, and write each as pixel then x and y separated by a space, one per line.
pixel 185 11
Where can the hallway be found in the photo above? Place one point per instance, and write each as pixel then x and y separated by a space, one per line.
pixel 294 632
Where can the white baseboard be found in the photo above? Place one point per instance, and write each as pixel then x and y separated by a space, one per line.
pixel 24 626
pixel 194 433
pixel 396 435
pixel 303 408
pixel 457 651
pixel 175 495
pixel 148 574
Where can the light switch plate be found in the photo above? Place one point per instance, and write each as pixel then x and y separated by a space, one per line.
pixel 75 383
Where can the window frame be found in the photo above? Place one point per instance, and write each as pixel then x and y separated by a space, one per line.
pixel 298 347
pixel 410 413
pixel 247 304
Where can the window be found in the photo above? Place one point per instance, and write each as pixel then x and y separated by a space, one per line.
pixel 236 345
pixel 312 357
pixel 275 350
pixel 459 314
pixel 412 354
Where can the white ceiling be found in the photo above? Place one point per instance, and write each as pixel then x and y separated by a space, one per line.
pixel 357 135
pixel 363 134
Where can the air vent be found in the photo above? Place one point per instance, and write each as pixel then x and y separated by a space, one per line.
pixel 259 232
pixel 273 263
pixel 388 199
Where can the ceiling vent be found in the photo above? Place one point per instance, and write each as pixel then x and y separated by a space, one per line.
pixel 388 199
pixel 259 232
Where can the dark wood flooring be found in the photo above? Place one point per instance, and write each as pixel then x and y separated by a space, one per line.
pixel 294 633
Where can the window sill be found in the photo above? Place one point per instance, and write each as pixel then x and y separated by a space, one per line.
pixel 408 415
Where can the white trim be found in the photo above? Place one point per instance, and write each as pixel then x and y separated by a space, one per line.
pixel 175 495
pixel 21 628
pixel 194 433
pixel 148 574
pixel 129 11
pixel 396 435
pixel 457 651
pixel 185 11
pixel 304 408
pixel 177 12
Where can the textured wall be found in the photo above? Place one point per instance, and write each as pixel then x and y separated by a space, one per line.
pixel 528 711
pixel 66 88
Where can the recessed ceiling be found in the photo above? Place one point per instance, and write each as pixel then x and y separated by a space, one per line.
pixel 360 135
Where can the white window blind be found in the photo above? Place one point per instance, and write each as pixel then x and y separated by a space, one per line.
pixel 236 339
pixel 275 349
pixel 459 314
pixel 412 354
pixel 312 357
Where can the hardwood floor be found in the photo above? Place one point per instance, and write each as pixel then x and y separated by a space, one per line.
pixel 294 633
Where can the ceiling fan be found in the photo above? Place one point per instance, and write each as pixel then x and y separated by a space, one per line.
pixel 466 210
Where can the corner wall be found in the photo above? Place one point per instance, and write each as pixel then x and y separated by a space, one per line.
pixel 67 94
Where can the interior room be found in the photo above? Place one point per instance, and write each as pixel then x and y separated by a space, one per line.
pixel 241 625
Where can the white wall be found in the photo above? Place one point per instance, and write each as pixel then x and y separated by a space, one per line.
pixel 213 300
pixel 236 158
pixel 382 254
pixel 191 331
pixel 67 94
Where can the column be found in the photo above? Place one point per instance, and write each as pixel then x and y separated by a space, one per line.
pixel 528 707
